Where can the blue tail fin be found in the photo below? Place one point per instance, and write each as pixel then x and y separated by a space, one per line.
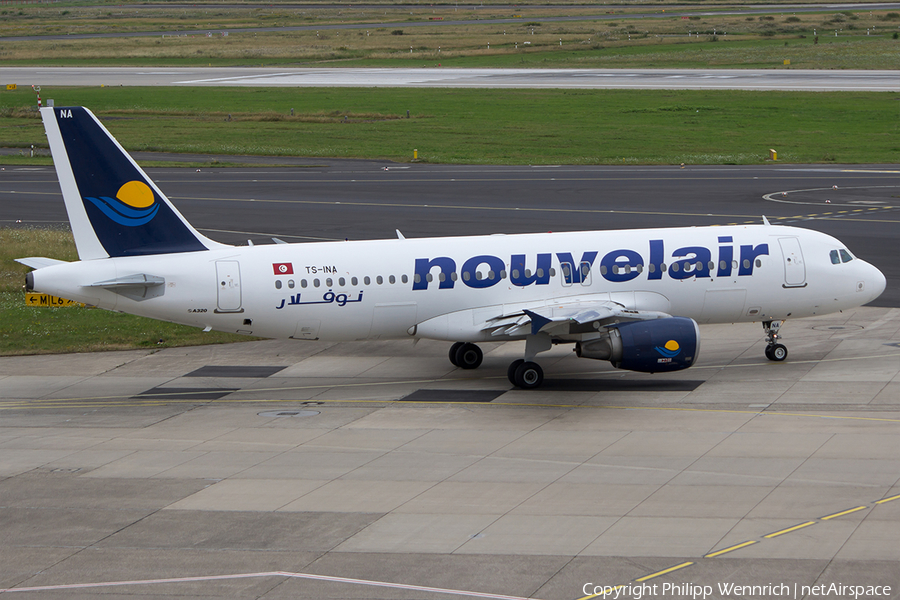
pixel 114 208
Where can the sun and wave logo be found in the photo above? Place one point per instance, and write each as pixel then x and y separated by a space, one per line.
pixel 670 350
pixel 135 204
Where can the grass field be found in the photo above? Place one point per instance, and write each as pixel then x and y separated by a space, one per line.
pixel 829 39
pixel 30 330
pixel 486 126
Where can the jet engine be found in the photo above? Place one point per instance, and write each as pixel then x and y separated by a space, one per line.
pixel 656 346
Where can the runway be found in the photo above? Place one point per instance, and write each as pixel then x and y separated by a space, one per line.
pixel 705 79
pixel 275 469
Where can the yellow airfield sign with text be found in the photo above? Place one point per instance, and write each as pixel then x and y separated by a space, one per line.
pixel 48 301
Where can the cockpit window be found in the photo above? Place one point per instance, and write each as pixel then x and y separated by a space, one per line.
pixel 846 256
pixel 835 258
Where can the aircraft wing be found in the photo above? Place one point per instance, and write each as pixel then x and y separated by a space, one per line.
pixel 565 318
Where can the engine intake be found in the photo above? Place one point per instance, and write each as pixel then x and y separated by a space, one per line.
pixel 655 346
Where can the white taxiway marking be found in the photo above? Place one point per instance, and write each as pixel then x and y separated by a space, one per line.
pixel 401 586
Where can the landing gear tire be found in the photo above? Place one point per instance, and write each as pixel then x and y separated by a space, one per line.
pixel 776 352
pixel 469 356
pixel 511 372
pixel 453 350
pixel 529 376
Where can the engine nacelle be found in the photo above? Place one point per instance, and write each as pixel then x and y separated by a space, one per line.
pixel 655 346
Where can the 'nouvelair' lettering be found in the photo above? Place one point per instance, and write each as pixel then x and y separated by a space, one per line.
pixel 617 266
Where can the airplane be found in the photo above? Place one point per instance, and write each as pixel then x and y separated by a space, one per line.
pixel 630 297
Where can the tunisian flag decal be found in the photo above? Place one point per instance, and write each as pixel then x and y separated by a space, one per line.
pixel 283 268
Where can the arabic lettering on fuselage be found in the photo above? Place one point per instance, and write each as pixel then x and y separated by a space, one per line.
pixel 617 266
pixel 328 297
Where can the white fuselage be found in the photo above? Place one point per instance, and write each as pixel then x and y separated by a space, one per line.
pixel 445 288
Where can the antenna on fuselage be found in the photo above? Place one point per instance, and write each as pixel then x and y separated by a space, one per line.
pixel 766 221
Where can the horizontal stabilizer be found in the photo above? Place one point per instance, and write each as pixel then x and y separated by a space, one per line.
pixel 39 262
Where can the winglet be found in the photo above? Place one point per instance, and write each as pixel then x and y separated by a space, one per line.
pixel 537 321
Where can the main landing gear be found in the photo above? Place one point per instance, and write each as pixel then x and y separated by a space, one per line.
pixel 525 374
pixel 774 351
pixel 522 373
pixel 465 355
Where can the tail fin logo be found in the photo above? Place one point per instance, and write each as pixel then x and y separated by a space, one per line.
pixel 135 204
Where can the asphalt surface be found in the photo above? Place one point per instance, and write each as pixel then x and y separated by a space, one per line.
pixel 701 79
pixel 337 200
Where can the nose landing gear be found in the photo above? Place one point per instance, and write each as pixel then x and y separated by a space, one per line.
pixel 774 350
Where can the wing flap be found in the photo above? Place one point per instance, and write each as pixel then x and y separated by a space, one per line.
pixel 562 318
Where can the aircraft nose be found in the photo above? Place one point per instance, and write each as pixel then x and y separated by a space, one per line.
pixel 875 283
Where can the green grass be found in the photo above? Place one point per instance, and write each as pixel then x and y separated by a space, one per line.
pixel 30 330
pixel 487 126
